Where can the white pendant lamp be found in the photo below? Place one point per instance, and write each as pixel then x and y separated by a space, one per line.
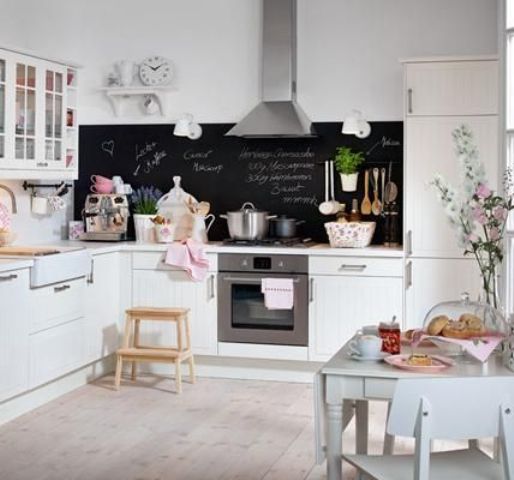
pixel 187 127
pixel 354 124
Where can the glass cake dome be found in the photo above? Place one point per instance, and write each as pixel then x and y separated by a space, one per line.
pixel 464 319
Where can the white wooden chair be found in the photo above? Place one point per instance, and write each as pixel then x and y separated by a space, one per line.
pixel 453 409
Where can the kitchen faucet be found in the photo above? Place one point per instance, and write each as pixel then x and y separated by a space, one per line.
pixel 13 198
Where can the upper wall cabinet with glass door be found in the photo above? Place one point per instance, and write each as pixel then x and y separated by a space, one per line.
pixel 36 98
pixel 451 86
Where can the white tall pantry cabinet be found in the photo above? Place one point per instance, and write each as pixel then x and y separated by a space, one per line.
pixel 440 95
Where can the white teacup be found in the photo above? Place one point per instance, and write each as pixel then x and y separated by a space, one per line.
pixel 366 346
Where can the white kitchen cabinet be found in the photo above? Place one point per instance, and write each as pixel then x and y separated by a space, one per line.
pixel 430 150
pixel 14 332
pixel 103 306
pixel 38 118
pixel 56 351
pixel 57 330
pixel 465 86
pixel 173 288
pixel 429 281
pixel 341 304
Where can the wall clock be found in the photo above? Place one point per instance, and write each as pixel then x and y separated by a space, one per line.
pixel 155 70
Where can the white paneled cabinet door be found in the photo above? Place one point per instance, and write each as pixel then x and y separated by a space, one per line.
pixel 103 308
pixel 429 281
pixel 175 289
pixel 14 332
pixel 430 150
pixel 452 88
pixel 341 305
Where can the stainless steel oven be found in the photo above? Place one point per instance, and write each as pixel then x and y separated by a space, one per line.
pixel 242 315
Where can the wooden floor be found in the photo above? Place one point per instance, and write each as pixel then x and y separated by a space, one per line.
pixel 216 430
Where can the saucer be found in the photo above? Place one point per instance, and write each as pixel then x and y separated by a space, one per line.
pixel 377 358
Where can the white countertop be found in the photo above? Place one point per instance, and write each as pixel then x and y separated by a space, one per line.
pixel 7 264
pixel 97 248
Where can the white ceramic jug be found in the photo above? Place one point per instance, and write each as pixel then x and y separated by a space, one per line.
pixel 201 226
pixel 125 70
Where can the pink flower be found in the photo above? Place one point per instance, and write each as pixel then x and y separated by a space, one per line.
pixel 479 215
pixel 472 238
pixel 500 213
pixel 483 191
pixel 494 234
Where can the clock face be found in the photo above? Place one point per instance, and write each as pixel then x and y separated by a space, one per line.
pixel 155 70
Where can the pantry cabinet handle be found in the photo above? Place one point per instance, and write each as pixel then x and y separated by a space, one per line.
pixel 352 268
pixel 409 242
pixel 409 100
pixel 408 275
pixel 311 290
pixel 61 289
pixel 7 278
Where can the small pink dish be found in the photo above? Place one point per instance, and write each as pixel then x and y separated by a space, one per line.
pixel 439 363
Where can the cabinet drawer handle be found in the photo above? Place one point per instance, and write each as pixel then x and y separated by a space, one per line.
pixel 352 268
pixel 7 278
pixel 311 290
pixel 61 289
pixel 42 164
pixel 409 100
pixel 211 294
pixel 409 242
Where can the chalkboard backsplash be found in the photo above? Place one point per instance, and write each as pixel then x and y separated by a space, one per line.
pixel 283 176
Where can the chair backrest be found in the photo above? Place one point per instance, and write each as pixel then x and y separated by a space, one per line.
pixel 460 408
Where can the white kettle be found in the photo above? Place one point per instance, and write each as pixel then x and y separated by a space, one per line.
pixel 201 226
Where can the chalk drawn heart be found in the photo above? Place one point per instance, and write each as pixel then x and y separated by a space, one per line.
pixel 108 147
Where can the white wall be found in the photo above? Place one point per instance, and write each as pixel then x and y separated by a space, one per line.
pixel 348 49
pixel 348 53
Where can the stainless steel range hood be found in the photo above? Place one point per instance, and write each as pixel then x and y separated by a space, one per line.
pixel 278 114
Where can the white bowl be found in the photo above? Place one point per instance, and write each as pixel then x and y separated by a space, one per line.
pixel 350 234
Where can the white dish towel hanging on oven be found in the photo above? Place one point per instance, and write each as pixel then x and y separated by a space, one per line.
pixel 278 293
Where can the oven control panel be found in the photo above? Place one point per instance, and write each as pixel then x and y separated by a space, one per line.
pixel 235 262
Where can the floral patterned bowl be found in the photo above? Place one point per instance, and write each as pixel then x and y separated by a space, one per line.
pixel 350 234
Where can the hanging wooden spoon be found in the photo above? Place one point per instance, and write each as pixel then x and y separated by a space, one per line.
pixel 366 202
pixel 376 206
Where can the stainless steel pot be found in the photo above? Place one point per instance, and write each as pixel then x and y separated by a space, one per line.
pixel 248 223
pixel 285 227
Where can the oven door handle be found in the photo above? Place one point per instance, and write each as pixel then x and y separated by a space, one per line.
pixel 253 280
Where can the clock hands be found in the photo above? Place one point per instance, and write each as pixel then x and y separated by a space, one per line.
pixel 154 68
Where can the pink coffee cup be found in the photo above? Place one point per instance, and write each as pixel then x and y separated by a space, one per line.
pixel 100 179
pixel 103 187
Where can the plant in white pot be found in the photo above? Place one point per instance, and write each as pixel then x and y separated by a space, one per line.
pixel 347 164
pixel 144 201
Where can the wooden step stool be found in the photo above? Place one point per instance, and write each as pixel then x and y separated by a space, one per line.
pixel 134 352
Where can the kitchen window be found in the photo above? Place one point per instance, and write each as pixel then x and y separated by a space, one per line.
pixel 508 56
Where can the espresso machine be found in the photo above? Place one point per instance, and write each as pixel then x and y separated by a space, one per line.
pixel 105 217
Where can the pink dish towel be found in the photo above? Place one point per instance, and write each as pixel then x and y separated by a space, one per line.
pixel 278 293
pixel 189 256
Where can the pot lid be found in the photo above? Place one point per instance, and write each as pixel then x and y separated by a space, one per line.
pixel 248 207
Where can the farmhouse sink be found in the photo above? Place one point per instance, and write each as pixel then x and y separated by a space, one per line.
pixel 52 264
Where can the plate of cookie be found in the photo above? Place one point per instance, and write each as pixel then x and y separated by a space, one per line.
pixel 418 362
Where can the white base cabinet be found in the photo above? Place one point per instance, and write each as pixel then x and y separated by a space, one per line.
pixel 175 289
pixel 14 332
pixel 103 306
pixel 354 293
pixel 433 280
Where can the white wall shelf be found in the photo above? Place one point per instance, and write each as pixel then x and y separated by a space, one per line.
pixel 116 95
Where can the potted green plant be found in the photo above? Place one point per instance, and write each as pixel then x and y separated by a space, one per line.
pixel 144 201
pixel 347 163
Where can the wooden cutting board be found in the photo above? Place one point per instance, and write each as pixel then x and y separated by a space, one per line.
pixel 27 251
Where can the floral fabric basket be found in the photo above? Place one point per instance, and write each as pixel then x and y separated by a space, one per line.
pixel 350 234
